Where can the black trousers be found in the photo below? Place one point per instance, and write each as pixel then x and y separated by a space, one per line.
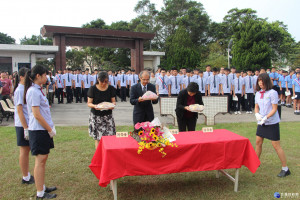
pixel 78 94
pixel 189 123
pixel 249 102
pixel 237 104
pixel 174 95
pixel 214 94
pixel 60 95
pixel 229 96
pixel 69 94
pixel 123 93
pixel 85 91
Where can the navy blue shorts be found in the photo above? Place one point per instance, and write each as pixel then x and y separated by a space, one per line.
pixel 271 132
pixel 298 95
pixel 20 137
pixel 40 142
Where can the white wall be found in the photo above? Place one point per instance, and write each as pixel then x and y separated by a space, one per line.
pixel 18 57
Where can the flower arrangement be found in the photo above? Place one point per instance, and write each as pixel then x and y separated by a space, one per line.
pixel 151 136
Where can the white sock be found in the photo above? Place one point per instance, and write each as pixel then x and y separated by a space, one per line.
pixel 26 178
pixel 40 193
pixel 285 168
pixel 44 187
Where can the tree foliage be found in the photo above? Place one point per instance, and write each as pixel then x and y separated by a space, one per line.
pixel 34 40
pixel 6 39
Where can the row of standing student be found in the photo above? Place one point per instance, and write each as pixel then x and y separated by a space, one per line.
pixel 34 127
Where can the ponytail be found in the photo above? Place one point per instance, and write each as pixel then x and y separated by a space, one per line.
pixel 30 77
pixel 22 72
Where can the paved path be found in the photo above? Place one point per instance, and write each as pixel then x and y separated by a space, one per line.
pixel 77 114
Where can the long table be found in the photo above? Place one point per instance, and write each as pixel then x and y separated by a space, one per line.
pixel 196 151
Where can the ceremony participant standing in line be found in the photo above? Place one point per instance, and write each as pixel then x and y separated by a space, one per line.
pixel 176 83
pixel 133 79
pixel 59 86
pixel 163 85
pixel 113 81
pixel 183 70
pixel 68 82
pixel 227 87
pixel 201 81
pixel 152 78
pixel 87 83
pixel 239 91
pixel 208 72
pixel 21 126
pixel 282 86
pixel 129 76
pixel 101 122
pixel 143 109
pixel 266 102
pixel 95 76
pixel 196 75
pixel 50 89
pixel 275 78
pixel 249 91
pixel 296 94
pixel 188 79
pixel 78 82
pixel 122 82
pixel 222 73
pixel 41 128
pixel 289 88
pixel 185 118
pixel 214 84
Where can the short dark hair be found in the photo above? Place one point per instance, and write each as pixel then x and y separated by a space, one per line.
pixel 102 76
pixel 232 67
pixel 238 71
pixel 207 66
pixel 226 69
pixel 162 69
pixel 193 87
pixel 174 68
pixel 266 81
pixel 188 71
pixel 200 71
pixel 215 69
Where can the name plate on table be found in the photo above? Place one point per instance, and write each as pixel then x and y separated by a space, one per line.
pixel 121 134
pixel 174 131
pixel 207 129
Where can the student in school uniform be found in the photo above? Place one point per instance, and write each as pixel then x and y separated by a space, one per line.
pixel 227 87
pixel 21 126
pixel 238 89
pixel 163 84
pixel 88 81
pixel 68 82
pixel 77 81
pixel 282 86
pixel 40 126
pixel 176 83
pixel 208 72
pixel 122 82
pixel 188 79
pixel 196 75
pixel 249 91
pixel 59 83
pixel 289 88
pixel 222 73
pixel 133 79
pixel 266 103
pixel 50 88
pixel 296 94
pixel 201 81
pixel 183 70
pixel 214 83
pixel 274 78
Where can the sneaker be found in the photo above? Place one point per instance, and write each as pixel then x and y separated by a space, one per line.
pixel 239 112
pixel 31 181
pixel 235 112
pixel 284 173
pixel 250 112
pixel 47 196
pixel 247 112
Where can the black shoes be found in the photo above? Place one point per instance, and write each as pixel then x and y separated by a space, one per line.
pixel 284 173
pixel 47 196
pixel 31 180
pixel 50 189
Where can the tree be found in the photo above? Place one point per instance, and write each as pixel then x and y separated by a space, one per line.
pixel 216 56
pixel 251 49
pixel 181 51
pixel 6 39
pixel 34 40
pixel 75 58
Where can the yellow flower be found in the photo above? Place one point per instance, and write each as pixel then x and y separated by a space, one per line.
pixel 140 132
pixel 155 137
pixel 152 130
pixel 158 144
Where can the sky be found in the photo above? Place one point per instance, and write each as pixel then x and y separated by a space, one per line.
pixel 20 18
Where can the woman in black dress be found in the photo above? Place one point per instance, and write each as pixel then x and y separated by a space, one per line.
pixel 186 97
pixel 101 122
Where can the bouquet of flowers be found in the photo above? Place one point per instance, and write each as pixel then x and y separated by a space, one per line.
pixel 105 105
pixel 151 135
pixel 196 108
pixel 149 95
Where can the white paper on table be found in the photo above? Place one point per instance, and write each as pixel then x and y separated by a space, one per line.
pixel 168 135
pixel 287 93
pixel 234 98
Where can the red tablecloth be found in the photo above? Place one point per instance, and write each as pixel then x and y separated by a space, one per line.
pixel 196 151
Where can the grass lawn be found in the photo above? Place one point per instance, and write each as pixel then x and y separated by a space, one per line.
pixel 67 168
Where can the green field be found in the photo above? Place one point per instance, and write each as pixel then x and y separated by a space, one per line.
pixel 67 168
